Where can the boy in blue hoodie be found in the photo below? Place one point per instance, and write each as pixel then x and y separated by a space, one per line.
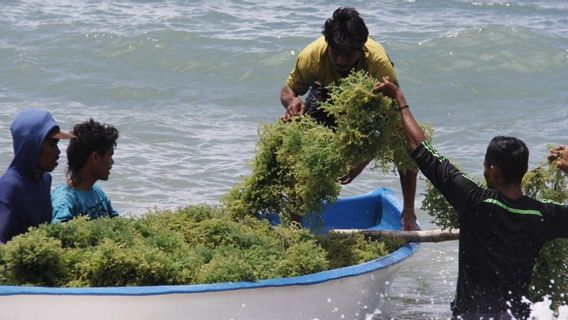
pixel 25 186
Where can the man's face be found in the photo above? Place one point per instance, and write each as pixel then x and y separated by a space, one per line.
pixel 344 58
pixel 49 155
pixel 104 165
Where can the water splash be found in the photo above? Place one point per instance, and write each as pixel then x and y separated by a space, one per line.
pixel 542 310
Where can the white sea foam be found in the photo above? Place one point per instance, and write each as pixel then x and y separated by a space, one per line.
pixel 542 310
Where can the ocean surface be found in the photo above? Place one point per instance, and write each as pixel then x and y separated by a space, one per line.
pixel 188 83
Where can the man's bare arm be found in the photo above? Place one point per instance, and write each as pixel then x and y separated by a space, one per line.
pixel 411 128
pixel 292 103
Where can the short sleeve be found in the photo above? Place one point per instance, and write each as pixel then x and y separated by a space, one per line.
pixel 109 211
pixel 297 80
pixel 112 212
pixel 379 64
pixel 382 69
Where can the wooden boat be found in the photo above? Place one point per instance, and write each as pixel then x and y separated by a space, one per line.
pixel 354 292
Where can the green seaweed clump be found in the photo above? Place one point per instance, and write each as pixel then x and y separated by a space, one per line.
pixel 368 124
pixel 192 245
pixel 551 269
pixel 295 172
pixel 298 165
pixel 435 204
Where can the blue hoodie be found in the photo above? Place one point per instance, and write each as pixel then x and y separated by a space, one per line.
pixel 24 199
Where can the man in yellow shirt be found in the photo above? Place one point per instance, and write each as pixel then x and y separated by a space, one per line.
pixel 344 46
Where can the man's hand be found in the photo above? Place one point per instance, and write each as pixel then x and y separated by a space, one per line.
pixel 293 104
pixel 559 155
pixel 294 109
pixel 391 90
pixel 408 220
pixel 353 173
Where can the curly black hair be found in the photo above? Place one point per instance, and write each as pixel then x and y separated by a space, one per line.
pixel 345 27
pixel 90 136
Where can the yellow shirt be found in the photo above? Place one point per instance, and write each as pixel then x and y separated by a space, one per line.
pixel 313 64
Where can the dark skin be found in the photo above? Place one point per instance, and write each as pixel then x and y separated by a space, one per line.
pixel 96 168
pixel 559 156
pixel 48 157
pixel 415 135
pixel 345 58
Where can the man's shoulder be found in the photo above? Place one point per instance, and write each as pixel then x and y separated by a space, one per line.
pixel 98 189
pixel 377 61
pixel 11 182
pixel 549 205
pixel 315 50
pixel 374 44
pixel 62 188
pixel 375 50
pixel 63 193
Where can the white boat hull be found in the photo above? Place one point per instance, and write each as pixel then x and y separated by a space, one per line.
pixel 346 298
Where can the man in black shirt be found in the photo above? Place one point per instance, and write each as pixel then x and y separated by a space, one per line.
pixel 501 230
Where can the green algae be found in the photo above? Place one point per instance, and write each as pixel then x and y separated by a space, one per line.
pixel 192 245
pixel 298 165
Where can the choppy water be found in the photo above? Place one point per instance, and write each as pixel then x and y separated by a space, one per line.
pixel 187 83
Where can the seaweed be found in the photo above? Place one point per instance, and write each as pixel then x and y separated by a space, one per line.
pixel 191 245
pixel 298 165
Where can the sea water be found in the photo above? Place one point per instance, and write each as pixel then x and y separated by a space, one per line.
pixel 188 83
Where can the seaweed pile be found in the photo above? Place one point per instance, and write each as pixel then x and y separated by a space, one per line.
pixel 192 245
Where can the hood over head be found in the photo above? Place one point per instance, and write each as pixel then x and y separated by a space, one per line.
pixel 29 129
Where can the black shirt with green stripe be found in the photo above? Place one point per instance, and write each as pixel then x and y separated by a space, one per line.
pixel 499 241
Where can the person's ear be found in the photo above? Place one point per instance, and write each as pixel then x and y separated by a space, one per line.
pixel 95 157
pixel 496 173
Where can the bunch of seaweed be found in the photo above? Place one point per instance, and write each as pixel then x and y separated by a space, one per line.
pixel 545 182
pixel 298 165
pixel 548 183
pixel 295 172
pixel 192 245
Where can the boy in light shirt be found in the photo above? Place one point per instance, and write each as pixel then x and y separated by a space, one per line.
pixel 89 157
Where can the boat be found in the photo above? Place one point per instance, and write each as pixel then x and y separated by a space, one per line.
pixel 353 292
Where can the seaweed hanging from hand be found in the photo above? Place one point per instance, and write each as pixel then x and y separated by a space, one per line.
pixel 298 164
